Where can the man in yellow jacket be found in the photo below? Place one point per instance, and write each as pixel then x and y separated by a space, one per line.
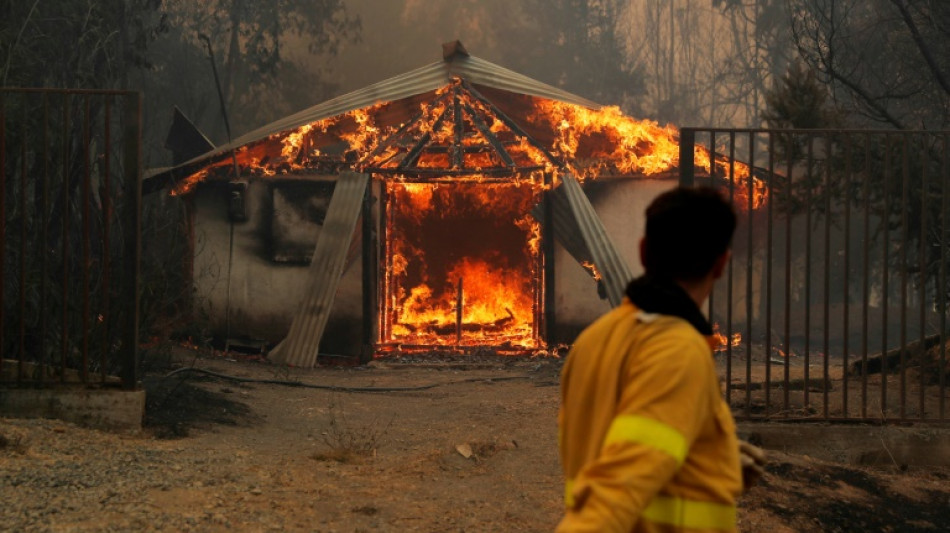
pixel 647 443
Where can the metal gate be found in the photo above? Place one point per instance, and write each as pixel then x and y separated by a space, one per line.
pixel 834 306
pixel 70 193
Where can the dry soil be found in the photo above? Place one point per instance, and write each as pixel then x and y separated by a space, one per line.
pixel 436 445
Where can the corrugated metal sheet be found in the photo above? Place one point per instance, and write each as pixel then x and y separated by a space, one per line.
pixel 613 268
pixel 566 231
pixel 483 72
pixel 414 82
pixel 302 343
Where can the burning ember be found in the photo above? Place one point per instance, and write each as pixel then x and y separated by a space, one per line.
pixel 725 342
pixel 591 269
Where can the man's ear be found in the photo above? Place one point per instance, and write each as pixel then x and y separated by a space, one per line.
pixel 720 265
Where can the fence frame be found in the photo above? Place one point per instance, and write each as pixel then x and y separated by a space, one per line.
pixel 129 104
pixel 822 141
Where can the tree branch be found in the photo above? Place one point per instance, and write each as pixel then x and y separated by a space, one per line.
pixel 868 100
pixel 919 41
pixel 6 67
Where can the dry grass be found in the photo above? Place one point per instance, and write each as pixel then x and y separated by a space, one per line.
pixel 348 442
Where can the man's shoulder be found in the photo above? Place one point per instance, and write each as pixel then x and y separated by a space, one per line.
pixel 633 322
pixel 667 333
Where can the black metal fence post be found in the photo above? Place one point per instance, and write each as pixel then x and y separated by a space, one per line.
pixel 132 156
pixel 687 157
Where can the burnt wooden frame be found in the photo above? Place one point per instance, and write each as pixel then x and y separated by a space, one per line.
pixel 457 111
pixel 376 213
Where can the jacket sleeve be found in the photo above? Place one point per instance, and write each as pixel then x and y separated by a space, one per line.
pixel 664 401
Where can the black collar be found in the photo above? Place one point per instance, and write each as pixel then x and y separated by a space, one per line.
pixel 664 297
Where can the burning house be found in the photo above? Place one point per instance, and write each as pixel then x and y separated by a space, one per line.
pixel 460 206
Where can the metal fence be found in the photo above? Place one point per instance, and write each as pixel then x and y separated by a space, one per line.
pixel 70 193
pixel 834 305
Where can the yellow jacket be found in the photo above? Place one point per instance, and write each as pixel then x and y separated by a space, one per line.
pixel 647 443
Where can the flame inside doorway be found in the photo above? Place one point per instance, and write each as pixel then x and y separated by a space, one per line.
pixel 463 265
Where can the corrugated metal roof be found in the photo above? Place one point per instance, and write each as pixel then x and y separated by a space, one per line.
pixel 301 346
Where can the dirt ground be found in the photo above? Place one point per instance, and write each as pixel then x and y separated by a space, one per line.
pixel 437 445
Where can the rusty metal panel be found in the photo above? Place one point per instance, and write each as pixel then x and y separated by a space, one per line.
pixel 613 268
pixel 302 343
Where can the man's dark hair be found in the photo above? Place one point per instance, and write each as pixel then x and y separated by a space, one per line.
pixel 687 229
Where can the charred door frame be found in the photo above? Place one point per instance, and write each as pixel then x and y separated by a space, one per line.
pixel 548 316
pixel 375 223
pixel 373 212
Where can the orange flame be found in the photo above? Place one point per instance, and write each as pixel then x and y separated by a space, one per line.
pixel 591 268
pixel 593 142
pixel 723 342
pixel 439 237
pixel 589 142
pixel 632 146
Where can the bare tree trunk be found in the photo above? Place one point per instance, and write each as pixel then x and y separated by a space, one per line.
pixel 234 50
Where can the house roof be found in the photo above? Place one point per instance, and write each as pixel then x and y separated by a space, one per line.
pixel 456 63
pixel 414 82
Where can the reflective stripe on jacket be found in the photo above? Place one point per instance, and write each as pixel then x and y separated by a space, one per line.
pixel 647 444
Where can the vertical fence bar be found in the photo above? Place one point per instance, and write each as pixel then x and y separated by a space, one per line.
pixel 44 238
pixel 944 177
pixel 84 371
pixel 922 265
pixel 748 278
pixel 24 183
pixel 810 162
pixel 3 221
pixel 132 159
pixel 770 196
pixel 712 173
pixel 826 290
pixel 846 332
pixel 866 274
pixel 885 277
pixel 789 209
pixel 106 196
pixel 64 244
pixel 687 153
pixel 729 280
pixel 905 234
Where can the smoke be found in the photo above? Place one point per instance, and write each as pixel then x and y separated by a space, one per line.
pixel 674 62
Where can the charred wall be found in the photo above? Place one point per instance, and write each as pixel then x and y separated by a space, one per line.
pixel 268 262
pixel 620 204
pixel 272 249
